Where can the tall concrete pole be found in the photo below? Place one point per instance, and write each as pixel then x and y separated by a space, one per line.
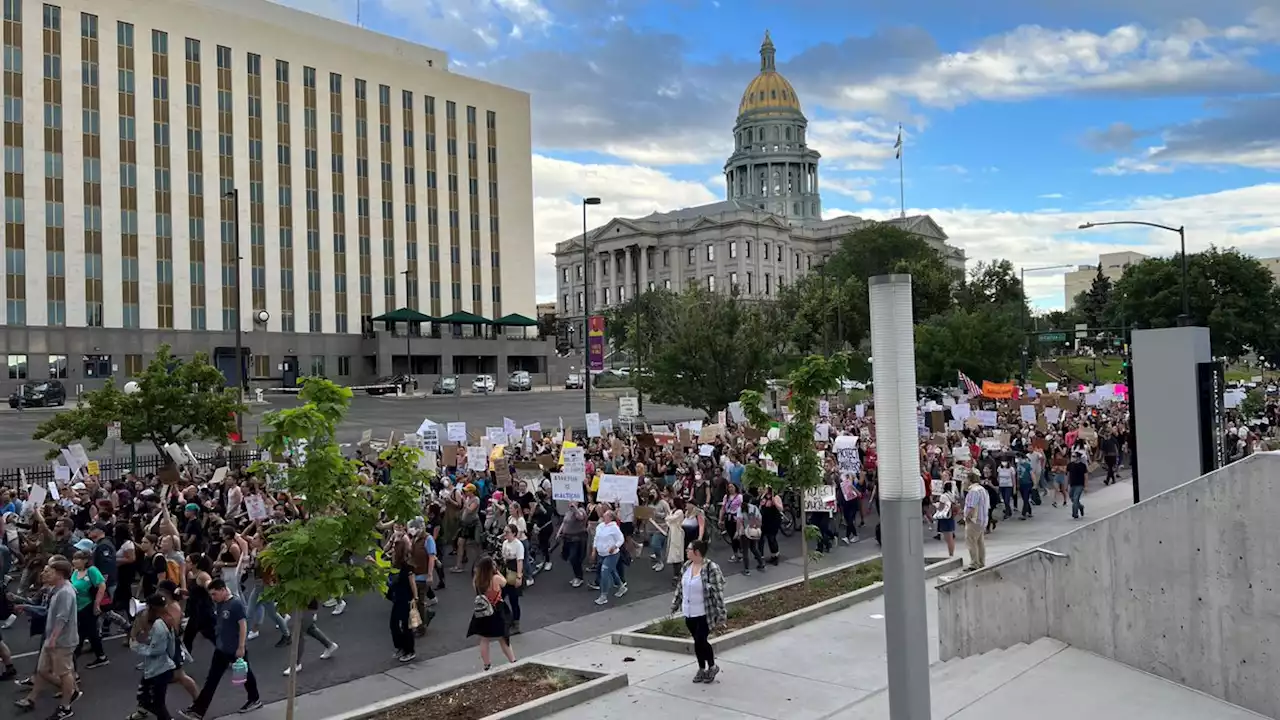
pixel 901 490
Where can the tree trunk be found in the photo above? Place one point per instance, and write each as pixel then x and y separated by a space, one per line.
pixel 296 631
pixel 804 545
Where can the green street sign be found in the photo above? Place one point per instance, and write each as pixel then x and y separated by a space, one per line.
pixel 1053 337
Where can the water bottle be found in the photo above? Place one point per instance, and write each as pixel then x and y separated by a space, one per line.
pixel 239 671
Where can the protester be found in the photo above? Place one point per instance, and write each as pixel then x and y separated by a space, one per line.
pixel 700 599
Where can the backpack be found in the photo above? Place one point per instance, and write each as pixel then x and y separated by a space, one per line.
pixel 173 571
pixel 482 608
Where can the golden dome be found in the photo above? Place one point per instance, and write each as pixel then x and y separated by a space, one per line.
pixel 769 91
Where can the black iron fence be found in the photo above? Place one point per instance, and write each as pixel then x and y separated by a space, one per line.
pixel 12 477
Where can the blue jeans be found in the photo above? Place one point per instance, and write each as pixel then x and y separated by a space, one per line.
pixel 609 573
pixel 1006 496
pixel 1077 507
pixel 658 546
pixel 256 609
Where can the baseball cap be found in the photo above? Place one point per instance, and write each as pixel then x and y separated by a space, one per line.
pixel 85 545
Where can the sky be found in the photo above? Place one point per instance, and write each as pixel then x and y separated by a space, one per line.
pixel 1022 119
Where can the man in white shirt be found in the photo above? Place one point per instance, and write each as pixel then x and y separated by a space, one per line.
pixel 977 509
pixel 608 547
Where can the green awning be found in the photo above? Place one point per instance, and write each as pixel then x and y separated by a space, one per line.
pixel 515 320
pixel 464 318
pixel 404 314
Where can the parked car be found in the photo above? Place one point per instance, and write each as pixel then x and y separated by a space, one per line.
pixel 483 384
pixel 519 381
pixel 387 385
pixel 573 382
pixel 446 385
pixel 39 393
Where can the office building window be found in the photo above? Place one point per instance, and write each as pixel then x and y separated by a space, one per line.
pixel 344 365
pixel 58 367
pixel 97 366
pixel 17 367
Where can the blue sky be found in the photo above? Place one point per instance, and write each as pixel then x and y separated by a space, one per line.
pixel 1023 118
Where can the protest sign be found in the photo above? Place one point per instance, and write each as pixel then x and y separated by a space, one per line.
pixel 566 487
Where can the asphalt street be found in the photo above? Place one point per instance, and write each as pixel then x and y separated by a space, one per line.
pixel 380 414
pixel 364 638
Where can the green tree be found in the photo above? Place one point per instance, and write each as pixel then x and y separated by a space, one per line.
pixel 176 402
pixel 1095 304
pixel 309 557
pixel 819 313
pixel 716 345
pixel 991 284
pixel 1231 293
pixel 984 344
pixel 883 249
pixel 401 500
pixel 1254 404
pixel 793 451
pixel 640 325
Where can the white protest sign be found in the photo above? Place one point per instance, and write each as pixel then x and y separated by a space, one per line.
pixel 53 491
pixel 575 462
pixel 860 410
pixel 457 432
pixel 821 432
pixel 1028 413
pixel 477 459
pixel 706 450
pixel 593 425
pixel 618 488
pixel 81 457
pixel 960 411
pixel 61 474
pixel 988 418
pixel 736 412
pixel 533 427
pixel 566 487
pixel 606 426
pixel 824 408
pixel 36 497
pixel 496 435
pixel 1051 415
pixel 256 507
pixel 820 499
pixel 508 426
pixel 427 461
pixel 430 439
pixel 628 407
pixel 427 424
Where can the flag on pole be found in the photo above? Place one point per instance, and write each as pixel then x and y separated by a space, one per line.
pixel 897 146
pixel 970 387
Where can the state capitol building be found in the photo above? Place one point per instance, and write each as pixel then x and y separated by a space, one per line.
pixel 766 233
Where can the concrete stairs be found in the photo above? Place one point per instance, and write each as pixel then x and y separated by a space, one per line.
pixel 961 682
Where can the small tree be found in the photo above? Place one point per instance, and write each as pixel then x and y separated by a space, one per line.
pixel 176 402
pixel 401 501
pixel 1254 404
pixel 309 557
pixel 794 453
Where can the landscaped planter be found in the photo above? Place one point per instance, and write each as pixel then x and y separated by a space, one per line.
pixel 863 579
pixel 522 691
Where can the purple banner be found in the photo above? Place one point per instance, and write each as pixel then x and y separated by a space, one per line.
pixel 595 353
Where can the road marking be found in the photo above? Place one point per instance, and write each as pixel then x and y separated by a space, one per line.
pixel 33 653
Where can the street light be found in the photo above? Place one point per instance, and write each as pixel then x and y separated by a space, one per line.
pixel 234 197
pixel 1185 318
pixel 586 305
pixel 130 388
pixel 1023 312
pixel 408 352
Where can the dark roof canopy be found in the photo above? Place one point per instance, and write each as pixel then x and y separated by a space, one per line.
pixel 463 317
pixel 404 314
pixel 515 320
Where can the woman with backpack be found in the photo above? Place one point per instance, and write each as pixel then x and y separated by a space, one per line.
pixel 489 618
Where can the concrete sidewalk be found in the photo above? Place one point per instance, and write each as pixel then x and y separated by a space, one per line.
pixel 660 681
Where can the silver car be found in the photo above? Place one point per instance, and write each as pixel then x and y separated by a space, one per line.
pixel 519 381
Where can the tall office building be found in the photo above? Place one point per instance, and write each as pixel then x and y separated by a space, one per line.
pixel 369 177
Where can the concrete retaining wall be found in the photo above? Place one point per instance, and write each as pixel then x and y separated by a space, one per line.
pixel 1185 585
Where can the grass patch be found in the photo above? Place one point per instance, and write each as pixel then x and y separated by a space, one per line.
pixel 488 695
pixel 759 608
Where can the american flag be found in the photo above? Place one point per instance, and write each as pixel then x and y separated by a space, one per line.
pixel 970 387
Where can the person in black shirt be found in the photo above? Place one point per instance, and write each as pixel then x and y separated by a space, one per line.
pixel 1077 472
pixel 192 529
pixel 1110 455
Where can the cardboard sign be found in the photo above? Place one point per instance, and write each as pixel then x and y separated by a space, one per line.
pixel 710 433
pixel 450 455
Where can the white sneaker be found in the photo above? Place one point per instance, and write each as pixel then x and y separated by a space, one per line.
pixel 330 602
pixel 296 668
pixel 13 620
pixel 602 600
pixel 528 582
pixel 252 635
pixel 575 583
pixel 340 608
pixel 329 651
pixel 546 566
pixel 621 591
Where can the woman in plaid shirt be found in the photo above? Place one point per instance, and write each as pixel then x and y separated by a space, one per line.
pixel 700 599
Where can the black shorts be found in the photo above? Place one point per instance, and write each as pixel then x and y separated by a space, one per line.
pixel 627 528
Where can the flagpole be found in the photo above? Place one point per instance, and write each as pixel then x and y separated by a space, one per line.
pixel 902 186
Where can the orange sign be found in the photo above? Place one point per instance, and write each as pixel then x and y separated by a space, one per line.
pixel 999 391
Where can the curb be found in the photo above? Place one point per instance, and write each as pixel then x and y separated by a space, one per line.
pixel 599 684
pixel 631 637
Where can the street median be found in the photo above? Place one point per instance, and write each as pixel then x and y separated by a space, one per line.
pixel 760 613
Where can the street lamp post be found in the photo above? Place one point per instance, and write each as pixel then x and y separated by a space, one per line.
pixel 1022 285
pixel 586 307
pixel 131 388
pixel 234 197
pixel 1185 318
pixel 408 351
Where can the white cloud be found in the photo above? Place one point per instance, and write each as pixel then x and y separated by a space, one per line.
pixel 1032 61
pixel 624 190
pixel 853 144
pixel 855 188
pixel 1051 196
